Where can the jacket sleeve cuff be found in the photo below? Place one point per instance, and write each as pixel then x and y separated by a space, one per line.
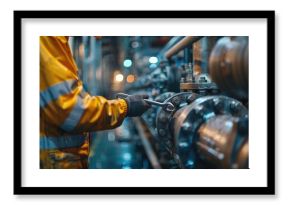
pixel 124 106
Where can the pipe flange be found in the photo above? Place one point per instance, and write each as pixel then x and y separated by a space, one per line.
pixel 163 118
pixel 187 120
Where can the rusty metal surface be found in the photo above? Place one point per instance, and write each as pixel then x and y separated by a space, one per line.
pixel 216 140
pixel 228 66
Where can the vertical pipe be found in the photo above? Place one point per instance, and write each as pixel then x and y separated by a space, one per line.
pixel 188 54
pixel 204 55
pixel 197 58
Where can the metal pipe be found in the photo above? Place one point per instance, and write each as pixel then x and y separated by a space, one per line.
pixel 145 135
pixel 172 42
pixel 186 41
pixel 188 55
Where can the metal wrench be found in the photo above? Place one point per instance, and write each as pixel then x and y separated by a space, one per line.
pixel 168 106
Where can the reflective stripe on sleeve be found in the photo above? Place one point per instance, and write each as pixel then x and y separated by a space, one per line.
pixel 55 91
pixel 75 115
pixel 59 142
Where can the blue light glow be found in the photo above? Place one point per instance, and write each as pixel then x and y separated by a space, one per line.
pixel 152 66
pixel 127 63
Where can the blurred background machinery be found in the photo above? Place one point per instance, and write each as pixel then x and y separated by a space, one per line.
pixel 205 78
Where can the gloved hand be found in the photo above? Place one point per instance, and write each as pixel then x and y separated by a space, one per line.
pixel 136 105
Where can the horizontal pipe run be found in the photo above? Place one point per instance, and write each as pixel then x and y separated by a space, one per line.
pixel 186 41
pixel 171 43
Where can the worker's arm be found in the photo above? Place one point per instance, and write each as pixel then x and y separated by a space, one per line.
pixel 63 101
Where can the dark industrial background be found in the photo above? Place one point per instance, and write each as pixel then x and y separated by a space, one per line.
pixel 205 78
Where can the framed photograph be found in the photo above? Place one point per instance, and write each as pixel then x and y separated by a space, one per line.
pixel 144 102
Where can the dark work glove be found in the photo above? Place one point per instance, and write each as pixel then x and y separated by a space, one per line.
pixel 136 105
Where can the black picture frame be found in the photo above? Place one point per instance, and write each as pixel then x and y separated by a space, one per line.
pixel 268 190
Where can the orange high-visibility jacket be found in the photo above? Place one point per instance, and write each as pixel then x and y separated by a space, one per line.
pixel 67 112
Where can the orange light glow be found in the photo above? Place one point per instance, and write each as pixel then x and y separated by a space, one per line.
pixel 130 78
